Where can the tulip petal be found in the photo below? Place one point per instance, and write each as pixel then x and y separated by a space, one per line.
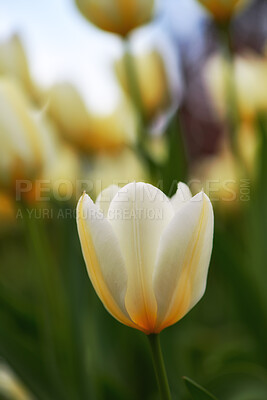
pixel 182 196
pixel 103 258
pixel 183 258
pixel 105 197
pixel 138 214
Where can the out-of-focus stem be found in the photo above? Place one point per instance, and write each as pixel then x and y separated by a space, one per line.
pixel 135 94
pixel 231 100
pixel 134 90
pixel 42 263
pixel 53 313
pixel 159 367
pixel 230 90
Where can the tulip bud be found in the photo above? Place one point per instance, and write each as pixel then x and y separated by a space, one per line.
pixel 151 79
pixel 117 16
pixel 14 64
pixel 219 176
pixel 21 150
pixel 60 166
pixel 249 83
pixel 216 74
pixel 62 173
pixel 157 78
pixel 147 256
pixel 30 150
pixel 13 61
pixel 88 130
pixel 222 10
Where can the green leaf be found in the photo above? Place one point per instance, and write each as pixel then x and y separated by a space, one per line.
pixel 197 392
pixel 175 169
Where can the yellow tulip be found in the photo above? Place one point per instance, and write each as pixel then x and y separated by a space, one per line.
pixel 62 173
pixel 216 75
pixel 21 148
pixel 152 80
pixel 60 165
pixel 249 83
pixel 117 16
pixel 14 64
pixel 31 150
pixel 222 10
pixel 86 129
pixel 220 176
pixel 147 256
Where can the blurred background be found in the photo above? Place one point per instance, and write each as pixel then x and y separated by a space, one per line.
pixel 94 93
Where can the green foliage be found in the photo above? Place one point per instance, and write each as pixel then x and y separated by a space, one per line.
pixel 197 392
pixel 60 341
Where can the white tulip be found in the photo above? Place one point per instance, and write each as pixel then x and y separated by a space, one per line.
pixel 147 255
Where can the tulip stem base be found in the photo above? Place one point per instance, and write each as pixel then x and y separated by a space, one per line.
pixel 159 367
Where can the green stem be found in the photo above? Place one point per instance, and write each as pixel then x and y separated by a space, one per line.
pixel 134 90
pixel 175 169
pixel 159 367
pixel 231 100
pixel 136 97
pixel 45 310
pixel 52 311
pixel 230 90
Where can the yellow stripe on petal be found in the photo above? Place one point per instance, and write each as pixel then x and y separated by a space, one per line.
pixel 183 260
pixel 103 259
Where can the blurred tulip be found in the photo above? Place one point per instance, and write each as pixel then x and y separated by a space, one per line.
pixel 215 75
pixel 250 82
pixel 158 91
pixel 248 142
pixel 21 149
pixel 220 177
pixel 60 165
pixel 31 150
pixel 14 64
pixel 157 148
pixel 118 168
pixel 147 257
pixel 7 208
pixel 87 130
pixel 117 16
pixel 10 387
pixel 62 173
pixel 222 10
